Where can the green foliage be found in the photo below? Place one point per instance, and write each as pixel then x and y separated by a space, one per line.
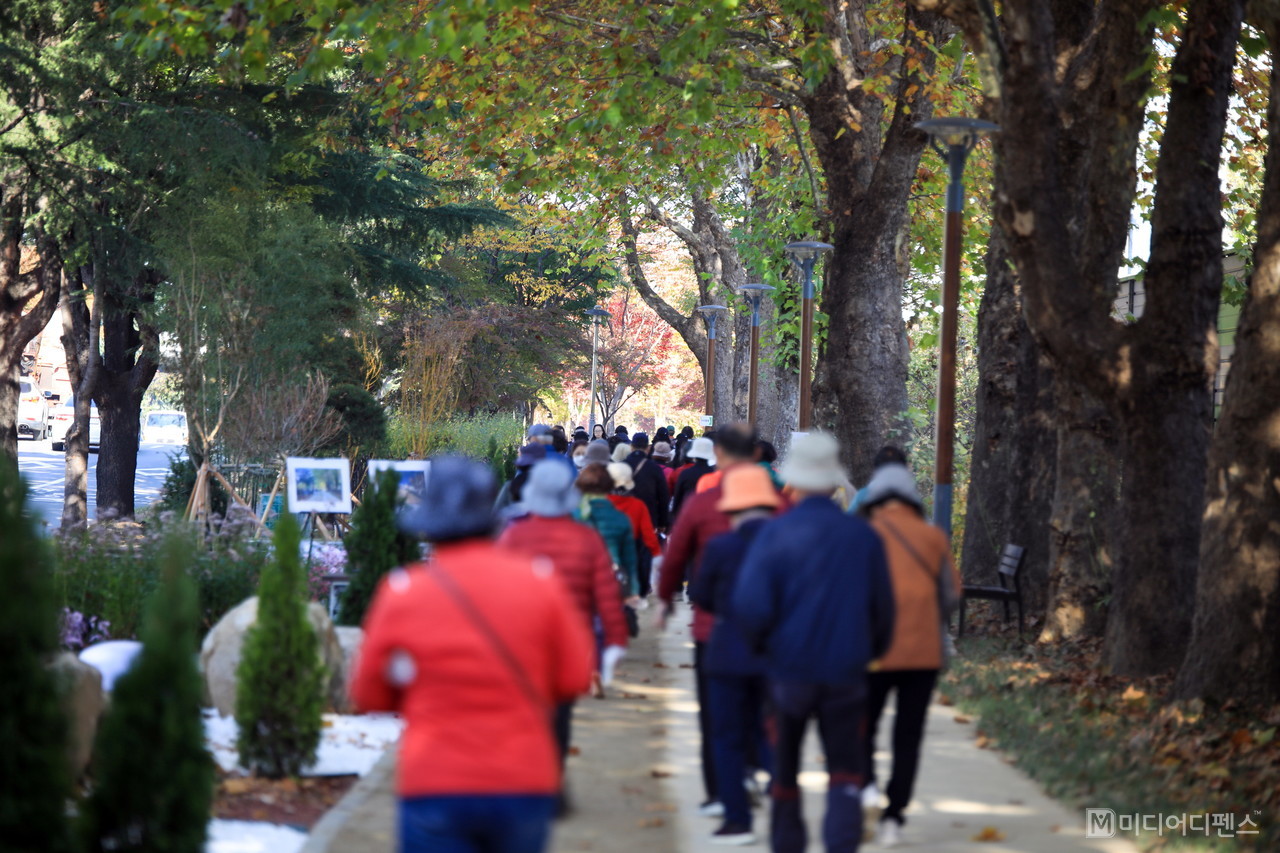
pixel 180 482
pixel 33 728
pixel 375 546
pixel 157 799
pixel 364 421
pixel 280 682
pixel 469 436
pixel 109 572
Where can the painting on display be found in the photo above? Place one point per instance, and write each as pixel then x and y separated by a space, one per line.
pixel 318 485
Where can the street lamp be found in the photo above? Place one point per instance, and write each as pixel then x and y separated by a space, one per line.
pixel 598 315
pixel 711 313
pixel 805 254
pixel 754 293
pixel 953 138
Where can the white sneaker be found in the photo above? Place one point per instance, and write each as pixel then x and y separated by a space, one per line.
pixel 890 833
pixel 711 808
pixel 870 797
pixel 870 811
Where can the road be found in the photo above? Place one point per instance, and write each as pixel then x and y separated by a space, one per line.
pixel 44 468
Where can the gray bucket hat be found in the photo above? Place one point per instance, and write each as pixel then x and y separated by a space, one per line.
pixel 598 451
pixel 549 490
pixel 892 481
pixel 457 504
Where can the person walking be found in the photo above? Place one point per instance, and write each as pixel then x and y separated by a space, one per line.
pixel 651 482
pixel 736 686
pixel 647 545
pixel 702 455
pixel 926 589
pixel 582 563
pixel 595 510
pixel 474 647
pixel 509 496
pixel 598 431
pixel 699 522
pixel 815 594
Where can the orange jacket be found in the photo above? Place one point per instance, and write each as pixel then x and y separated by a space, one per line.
pixel 471 728
pixel 917 624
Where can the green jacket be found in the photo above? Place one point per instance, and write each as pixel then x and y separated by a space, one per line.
pixel 615 529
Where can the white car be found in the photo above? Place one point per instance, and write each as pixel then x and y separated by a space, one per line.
pixel 62 419
pixel 33 411
pixel 165 427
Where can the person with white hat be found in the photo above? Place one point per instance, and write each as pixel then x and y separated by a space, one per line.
pixel 926 588
pixel 703 453
pixel 625 501
pixel 815 595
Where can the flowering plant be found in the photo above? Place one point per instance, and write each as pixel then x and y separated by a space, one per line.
pixel 79 631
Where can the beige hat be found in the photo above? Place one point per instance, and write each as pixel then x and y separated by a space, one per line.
pixel 813 465
pixel 622 476
pixel 621 452
pixel 703 448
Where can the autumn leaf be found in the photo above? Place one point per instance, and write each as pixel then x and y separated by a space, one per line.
pixel 990 834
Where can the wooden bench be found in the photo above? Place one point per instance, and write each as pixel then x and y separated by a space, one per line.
pixel 1009 590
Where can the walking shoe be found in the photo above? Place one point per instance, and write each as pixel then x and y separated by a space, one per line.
pixel 711 808
pixel 870 811
pixel 755 795
pixel 890 833
pixel 733 835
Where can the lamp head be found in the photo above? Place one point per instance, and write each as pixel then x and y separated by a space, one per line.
pixel 804 250
pixel 957 130
pixel 598 314
pixel 710 311
pixel 753 292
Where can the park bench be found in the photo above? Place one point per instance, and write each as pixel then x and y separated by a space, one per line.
pixel 1009 590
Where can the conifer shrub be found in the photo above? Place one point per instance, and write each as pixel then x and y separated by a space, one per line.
pixel 153 777
pixel 280 682
pixel 34 781
pixel 375 546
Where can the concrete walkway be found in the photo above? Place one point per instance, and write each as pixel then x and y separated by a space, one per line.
pixel 636 781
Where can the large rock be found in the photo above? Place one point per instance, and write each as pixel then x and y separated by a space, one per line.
pixel 83 701
pixel 112 659
pixel 350 637
pixel 220 655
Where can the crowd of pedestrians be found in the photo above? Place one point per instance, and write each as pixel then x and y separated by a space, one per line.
pixel 811 601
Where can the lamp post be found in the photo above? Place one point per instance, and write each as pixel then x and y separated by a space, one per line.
pixel 754 293
pixel 805 254
pixel 711 313
pixel 953 138
pixel 597 315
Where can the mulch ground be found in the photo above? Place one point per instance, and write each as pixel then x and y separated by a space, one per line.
pixel 299 803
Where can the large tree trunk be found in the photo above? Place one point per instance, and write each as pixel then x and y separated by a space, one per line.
pixel 860 392
pixel 1235 641
pixel 130 358
pixel 22 280
pixel 1012 470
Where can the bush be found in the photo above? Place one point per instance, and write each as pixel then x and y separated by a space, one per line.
pixel 158 798
pixel 364 421
pixel 180 482
pixel 375 546
pixel 104 575
pixel 280 683
pixel 468 436
pixel 33 729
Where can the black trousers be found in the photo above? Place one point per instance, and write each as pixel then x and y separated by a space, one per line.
pixel 914 688
pixel 563 725
pixel 704 721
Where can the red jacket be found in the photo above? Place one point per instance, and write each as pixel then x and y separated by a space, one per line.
pixel 471 728
pixel 582 561
pixel 641 522
pixel 674 473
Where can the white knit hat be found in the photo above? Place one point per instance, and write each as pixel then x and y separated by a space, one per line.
pixel 622 476
pixel 703 448
pixel 813 465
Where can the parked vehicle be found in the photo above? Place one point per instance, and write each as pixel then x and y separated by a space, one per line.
pixel 63 418
pixel 165 427
pixel 33 411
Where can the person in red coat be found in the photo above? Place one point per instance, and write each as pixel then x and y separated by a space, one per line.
pixel 475 647
pixel 581 561
pixel 648 548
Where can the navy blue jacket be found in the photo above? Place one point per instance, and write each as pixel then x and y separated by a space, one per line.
pixel 815 594
pixel 712 589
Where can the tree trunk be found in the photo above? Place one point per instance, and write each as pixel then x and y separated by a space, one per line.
pixel 1012 470
pixel 860 392
pixel 80 344
pixel 1235 640
pixel 130 358
pixel 1083 521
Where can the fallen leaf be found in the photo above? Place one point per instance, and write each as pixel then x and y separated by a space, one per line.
pixel 983 742
pixel 989 833
pixel 1132 694
pixel 961 718
pixel 659 665
pixel 661 807
pixel 1241 738
pixel 650 822
pixel 659 774
pixel 1057 827
pixel 944 699
pixel 574 750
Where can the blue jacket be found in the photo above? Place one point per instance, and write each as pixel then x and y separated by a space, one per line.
pixel 815 594
pixel 712 589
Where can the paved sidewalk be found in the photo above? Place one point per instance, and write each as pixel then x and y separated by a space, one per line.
pixel 961 789
pixel 636 782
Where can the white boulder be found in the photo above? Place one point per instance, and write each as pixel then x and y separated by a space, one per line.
pixel 83 701
pixel 112 659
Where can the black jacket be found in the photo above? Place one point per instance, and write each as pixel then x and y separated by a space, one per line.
pixel 687 484
pixel 651 487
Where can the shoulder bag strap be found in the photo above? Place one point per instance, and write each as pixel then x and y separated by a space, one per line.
pixel 469 609
pixel 911 550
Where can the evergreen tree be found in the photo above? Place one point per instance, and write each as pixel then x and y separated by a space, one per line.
pixel 280 689
pixel 375 546
pixel 158 798
pixel 33 726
